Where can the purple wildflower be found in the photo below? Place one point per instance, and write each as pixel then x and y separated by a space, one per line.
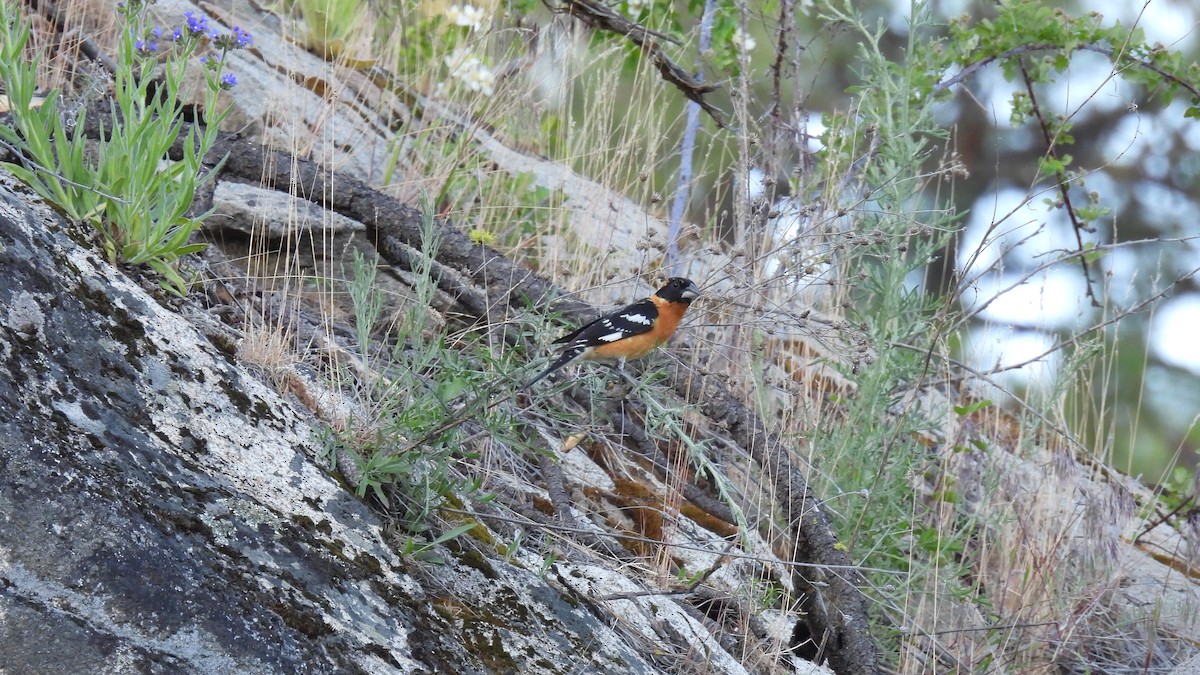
pixel 242 39
pixel 228 81
pixel 236 39
pixel 196 25
pixel 145 48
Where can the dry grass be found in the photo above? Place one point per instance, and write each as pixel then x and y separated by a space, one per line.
pixel 1008 576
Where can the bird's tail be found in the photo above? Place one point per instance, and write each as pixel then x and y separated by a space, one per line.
pixel 563 359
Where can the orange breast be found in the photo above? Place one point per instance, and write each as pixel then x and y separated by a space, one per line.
pixel 630 348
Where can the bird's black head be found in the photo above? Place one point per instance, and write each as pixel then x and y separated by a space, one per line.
pixel 679 289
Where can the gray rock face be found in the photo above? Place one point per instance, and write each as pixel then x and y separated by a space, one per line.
pixel 159 510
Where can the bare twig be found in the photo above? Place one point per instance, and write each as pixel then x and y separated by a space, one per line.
pixel 599 15
pixel 1060 178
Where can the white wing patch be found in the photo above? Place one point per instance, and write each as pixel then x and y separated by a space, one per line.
pixel 638 318
pixel 631 321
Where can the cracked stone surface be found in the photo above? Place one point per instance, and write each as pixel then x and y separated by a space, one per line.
pixel 160 510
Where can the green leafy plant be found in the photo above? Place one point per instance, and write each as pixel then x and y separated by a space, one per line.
pixel 127 190
pixel 330 25
pixel 54 144
pixel 427 552
pixel 403 444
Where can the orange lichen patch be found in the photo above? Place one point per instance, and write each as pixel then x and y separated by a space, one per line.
pixel 804 364
pixel 707 520
pixel 543 505
pixel 638 512
pixel 1175 562
pixel 600 454
pixel 642 505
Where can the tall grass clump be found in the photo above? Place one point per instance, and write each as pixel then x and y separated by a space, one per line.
pixel 872 454
pixel 927 477
pixel 125 188
pixel 407 383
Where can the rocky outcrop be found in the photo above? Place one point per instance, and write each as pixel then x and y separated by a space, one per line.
pixel 161 509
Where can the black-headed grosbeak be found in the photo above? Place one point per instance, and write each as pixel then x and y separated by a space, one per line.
pixel 628 333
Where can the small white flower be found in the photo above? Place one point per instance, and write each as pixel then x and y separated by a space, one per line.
pixel 465 15
pixel 465 66
pixel 460 60
pixel 480 79
pixel 743 40
pixel 635 7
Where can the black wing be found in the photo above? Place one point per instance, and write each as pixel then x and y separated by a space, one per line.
pixel 633 319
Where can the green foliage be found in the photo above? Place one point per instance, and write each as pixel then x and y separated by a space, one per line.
pixel 135 199
pixel 873 455
pixel 967 410
pixel 1179 489
pixel 330 24
pixel 60 173
pixel 427 552
pixel 405 406
pixel 1035 41
pixel 917 517
pixel 406 449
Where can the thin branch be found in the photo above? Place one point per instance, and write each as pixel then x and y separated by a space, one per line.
pixel 1060 178
pixel 598 15
pixel 1029 49
pixel 687 149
